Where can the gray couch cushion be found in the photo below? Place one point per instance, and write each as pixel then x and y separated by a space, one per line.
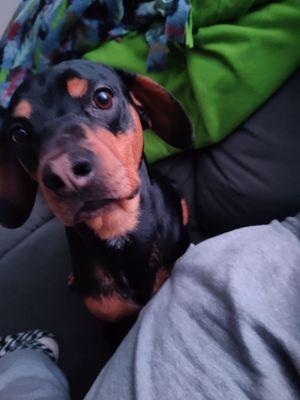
pixel 253 175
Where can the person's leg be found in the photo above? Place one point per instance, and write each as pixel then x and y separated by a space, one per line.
pixel 224 326
pixel 28 370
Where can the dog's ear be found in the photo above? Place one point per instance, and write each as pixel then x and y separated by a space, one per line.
pixel 17 189
pixel 166 116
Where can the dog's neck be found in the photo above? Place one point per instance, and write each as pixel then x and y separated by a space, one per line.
pixel 114 227
pixel 134 258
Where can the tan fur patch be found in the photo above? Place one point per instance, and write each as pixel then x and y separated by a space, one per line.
pixel 77 87
pixel 127 147
pixel 185 212
pixel 117 222
pixel 61 209
pixel 120 154
pixel 111 308
pixel 120 158
pixel 162 275
pixel 70 279
pixel 23 109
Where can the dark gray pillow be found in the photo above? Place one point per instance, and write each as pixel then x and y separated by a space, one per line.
pixel 254 175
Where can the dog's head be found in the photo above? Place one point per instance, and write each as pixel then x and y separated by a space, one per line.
pixel 76 132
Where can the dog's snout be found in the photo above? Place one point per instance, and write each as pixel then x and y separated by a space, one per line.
pixel 69 172
pixel 52 180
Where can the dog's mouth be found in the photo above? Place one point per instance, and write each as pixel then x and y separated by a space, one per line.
pixel 93 208
pixel 93 205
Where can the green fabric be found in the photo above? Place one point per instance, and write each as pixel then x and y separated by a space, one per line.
pixel 230 67
pixel 207 12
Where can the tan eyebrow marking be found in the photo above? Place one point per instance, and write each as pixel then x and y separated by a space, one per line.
pixel 23 109
pixel 77 87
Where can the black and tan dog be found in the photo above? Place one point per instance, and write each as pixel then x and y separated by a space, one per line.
pixel 76 131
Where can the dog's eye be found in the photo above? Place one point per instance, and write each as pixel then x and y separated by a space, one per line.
pixel 19 135
pixel 103 98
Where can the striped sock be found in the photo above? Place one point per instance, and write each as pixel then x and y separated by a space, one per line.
pixel 37 340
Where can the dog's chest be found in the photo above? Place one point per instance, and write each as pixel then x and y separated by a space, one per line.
pixel 120 266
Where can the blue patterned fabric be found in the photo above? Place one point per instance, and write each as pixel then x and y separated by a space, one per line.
pixel 44 32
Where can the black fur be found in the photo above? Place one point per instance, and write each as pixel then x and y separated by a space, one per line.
pixel 134 260
pixel 158 241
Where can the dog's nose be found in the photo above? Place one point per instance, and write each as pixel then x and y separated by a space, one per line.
pixel 69 173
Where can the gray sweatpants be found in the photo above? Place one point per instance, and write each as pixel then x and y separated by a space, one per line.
pixel 226 325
